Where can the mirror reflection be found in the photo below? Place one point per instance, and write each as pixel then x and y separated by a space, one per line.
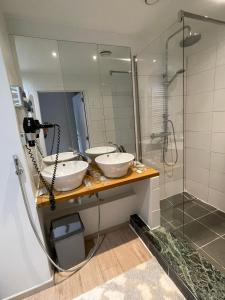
pixel 85 88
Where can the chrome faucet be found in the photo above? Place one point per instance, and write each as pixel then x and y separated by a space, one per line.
pixel 120 148
pixel 79 154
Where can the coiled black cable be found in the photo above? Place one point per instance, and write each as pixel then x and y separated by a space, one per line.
pixel 48 187
pixel 51 195
pixel 39 149
pixel 53 141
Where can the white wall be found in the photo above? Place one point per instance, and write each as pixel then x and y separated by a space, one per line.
pixel 23 264
pixel 205 119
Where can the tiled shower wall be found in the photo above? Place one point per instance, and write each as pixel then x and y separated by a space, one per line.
pixel 205 121
pixel 151 66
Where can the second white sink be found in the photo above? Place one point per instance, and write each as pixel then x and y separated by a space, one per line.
pixel 96 151
pixel 69 175
pixel 63 156
pixel 115 165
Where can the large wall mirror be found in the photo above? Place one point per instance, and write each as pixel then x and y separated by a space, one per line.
pixel 86 88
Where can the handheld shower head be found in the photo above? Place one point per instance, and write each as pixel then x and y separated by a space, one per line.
pixel 168 82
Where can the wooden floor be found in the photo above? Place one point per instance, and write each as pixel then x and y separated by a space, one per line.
pixel 120 251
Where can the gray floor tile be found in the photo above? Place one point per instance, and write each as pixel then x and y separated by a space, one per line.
pixel 196 211
pixel 176 217
pixel 165 204
pixel 198 233
pixel 214 222
pixel 176 199
pixel 165 224
pixel 186 204
pixel 206 206
pixel 216 250
pixel 179 234
pixel 220 213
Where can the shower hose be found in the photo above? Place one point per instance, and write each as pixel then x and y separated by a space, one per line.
pixel 165 147
pixel 19 172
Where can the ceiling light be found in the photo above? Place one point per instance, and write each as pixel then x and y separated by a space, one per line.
pixel 154 60
pixel 94 57
pixel 124 59
pixel 105 53
pixel 54 54
pixel 206 16
pixel 151 2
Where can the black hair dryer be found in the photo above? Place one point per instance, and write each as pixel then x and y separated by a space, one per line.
pixel 32 128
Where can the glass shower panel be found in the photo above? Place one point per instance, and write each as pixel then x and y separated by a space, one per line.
pixel 204 140
pixel 117 97
pixel 160 78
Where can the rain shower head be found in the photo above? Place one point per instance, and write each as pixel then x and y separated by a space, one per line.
pixel 191 39
pixel 168 82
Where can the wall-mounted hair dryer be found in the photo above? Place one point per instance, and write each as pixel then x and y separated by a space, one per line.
pixel 32 129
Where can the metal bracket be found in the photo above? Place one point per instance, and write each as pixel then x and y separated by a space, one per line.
pixel 180 16
pixel 19 169
pixel 23 138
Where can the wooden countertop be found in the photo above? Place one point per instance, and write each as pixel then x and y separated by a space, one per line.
pixel 98 186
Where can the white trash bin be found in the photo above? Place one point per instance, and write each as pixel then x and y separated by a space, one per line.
pixel 67 234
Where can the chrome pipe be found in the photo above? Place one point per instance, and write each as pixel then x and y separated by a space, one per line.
pixel 159 135
pixel 136 109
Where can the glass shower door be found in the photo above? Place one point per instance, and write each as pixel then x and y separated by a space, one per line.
pixel 161 91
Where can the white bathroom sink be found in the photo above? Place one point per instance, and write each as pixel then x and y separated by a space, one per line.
pixel 96 151
pixel 69 175
pixel 63 156
pixel 115 165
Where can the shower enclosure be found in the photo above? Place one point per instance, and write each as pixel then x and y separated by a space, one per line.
pixel 181 79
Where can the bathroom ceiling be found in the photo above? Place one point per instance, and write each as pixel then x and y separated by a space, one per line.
pixel 130 17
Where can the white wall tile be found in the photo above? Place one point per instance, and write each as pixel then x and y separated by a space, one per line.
pixel 202 60
pixel 154 183
pixel 107 101
pixel 200 82
pixel 220 77
pixel 109 124
pixel 155 199
pixel 220 60
pixel 219 100
pixel 197 158
pixel 96 113
pixel 217 199
pixel 217 162
pixel 174 187
pixel 144 86
pixel 217 181
pixel 218 122
pixel 218 142
pixel 198 122
pixel 176 87
pixel 201 102
pixel 197 174
pixel 155 219
pixel 198 140
pixel 197 189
